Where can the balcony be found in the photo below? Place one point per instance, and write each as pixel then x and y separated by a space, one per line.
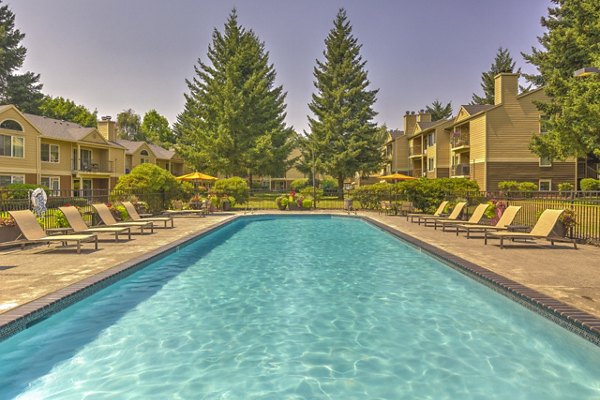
pixel 461 170
pixel 460 141
pixel 415 151
pixel 92 166
pixel 416 173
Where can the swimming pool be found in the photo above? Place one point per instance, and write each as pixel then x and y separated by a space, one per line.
pixel 298 307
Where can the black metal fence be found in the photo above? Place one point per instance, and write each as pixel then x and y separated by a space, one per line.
pixel 585 205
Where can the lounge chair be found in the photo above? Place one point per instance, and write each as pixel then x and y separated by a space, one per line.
pixel 437 213
pixel 33 232
pixel 107 219
pixel 79 226
pixel 474 219
pixel 456 211
pixel 133 214
pixel 541 230
pixel 385 207
pixel 507 218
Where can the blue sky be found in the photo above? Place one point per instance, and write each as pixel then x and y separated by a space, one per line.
pixel 111 55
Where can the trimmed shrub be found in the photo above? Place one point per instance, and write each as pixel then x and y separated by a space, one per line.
pixel 565 187
pixel 328 184
pixel 307 203
pixel 528 187
pixel 299 184
pixel 508 186
pixel 145 181
pixel 235 187
pixel 590 184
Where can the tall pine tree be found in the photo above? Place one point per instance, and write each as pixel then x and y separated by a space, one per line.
pixel 571 42
pixel 502 63
pixel 233 121
pixel 342 133
pixel 22 90
pixel 439 111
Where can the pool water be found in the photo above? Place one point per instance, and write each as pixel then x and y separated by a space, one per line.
pixel 298 308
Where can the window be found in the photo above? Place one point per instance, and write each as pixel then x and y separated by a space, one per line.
pixel 545 185
pixel 50 152
pixel 545 161
pixel 8 179
pixel 52 183
pixel 12 146
pixel 430 164
pixel 143 154
pixel 12 125
pixel 431 139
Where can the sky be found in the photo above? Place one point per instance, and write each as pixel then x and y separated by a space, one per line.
pixel 112 55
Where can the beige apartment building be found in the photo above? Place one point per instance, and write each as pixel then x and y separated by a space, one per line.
pixel 396 152
pixel 66 156
pixel 486 143
pixel 490 143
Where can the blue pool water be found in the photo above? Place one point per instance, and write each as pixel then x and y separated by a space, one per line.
pixel 298 308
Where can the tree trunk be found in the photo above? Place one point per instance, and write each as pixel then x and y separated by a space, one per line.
pixel 341 186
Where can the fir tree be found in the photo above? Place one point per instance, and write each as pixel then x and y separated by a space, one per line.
pixel 571 42
pixel 439 111
pixel 233 120
pixel 342 133
pixel 22 90
pixel 502 63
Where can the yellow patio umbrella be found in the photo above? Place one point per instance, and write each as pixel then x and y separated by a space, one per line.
pixel 196 176
pixel 397 177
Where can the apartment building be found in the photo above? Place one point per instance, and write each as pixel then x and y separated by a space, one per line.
pixel 396 152
pixel 66 156
pixel 428 148
pixel 490 143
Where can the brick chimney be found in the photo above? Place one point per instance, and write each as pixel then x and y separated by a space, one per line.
pixel 108 128
pixel 410 120
pixel 423 116
pixel 506 88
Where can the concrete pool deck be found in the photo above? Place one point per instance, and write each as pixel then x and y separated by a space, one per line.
pixel 563 273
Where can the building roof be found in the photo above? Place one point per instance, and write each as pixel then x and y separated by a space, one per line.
pixel 394 133
pixel 161 152
pixel 4 107
pixel 476 108
pixel 58 129
pixel 131 146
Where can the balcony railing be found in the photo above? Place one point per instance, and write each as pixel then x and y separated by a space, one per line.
pixel 92 166
pixel 415 151
pixel 461 140
pixel 461 170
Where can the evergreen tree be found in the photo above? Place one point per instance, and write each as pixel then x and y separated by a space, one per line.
pixel 571 42
pixel 233 120
pixel 129 126
pixel 155 128
pixel 342 132
pixel 502 63
pixel 439 111
pixel 67 110
pixel 22 90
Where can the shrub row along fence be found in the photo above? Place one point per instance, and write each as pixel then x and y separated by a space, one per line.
pixel 585 205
